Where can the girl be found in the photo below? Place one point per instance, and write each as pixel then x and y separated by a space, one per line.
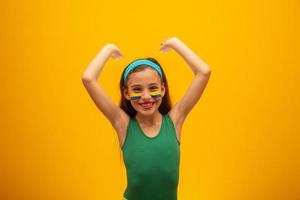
pixel 148 127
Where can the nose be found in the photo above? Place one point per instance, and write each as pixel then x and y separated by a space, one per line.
pixel 146 95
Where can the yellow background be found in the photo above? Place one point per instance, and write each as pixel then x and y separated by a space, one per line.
pixel 240 142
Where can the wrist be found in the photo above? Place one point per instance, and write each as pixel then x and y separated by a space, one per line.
pixel 175 42
pixel 109 48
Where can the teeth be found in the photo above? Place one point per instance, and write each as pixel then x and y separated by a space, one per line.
pixel 147 104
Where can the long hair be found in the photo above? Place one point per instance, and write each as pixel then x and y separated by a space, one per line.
pixel 125 104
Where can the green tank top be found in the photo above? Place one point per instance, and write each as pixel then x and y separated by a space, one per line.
pixel 152 163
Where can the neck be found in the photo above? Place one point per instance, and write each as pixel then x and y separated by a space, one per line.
pixel 149 119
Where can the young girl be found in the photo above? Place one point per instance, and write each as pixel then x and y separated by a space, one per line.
pixel 148 127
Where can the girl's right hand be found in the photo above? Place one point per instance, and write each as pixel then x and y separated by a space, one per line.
pixel 114 51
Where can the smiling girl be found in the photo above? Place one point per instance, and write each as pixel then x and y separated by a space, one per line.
pixel 147 126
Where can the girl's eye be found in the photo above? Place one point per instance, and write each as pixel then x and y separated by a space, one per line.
pixel 137 89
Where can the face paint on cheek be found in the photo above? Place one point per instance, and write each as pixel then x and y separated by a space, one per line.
pixel 155 94
pixel 136 96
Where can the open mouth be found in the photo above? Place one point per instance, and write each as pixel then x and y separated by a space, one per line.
pixel 147 106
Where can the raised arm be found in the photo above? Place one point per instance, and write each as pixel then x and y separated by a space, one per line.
pixel 201 71
pixel 89 78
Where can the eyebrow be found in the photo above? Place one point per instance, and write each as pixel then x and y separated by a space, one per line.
pixel 140 85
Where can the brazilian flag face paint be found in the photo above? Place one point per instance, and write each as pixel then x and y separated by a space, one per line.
pixel 137 95
pixel 155 94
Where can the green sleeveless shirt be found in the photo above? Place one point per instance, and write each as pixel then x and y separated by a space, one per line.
pixel 152 163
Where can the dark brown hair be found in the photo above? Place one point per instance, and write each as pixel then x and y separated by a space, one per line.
pixel 125 104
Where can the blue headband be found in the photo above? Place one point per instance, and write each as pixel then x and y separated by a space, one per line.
pixel 142 62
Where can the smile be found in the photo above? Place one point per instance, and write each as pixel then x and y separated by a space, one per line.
pixel 147 106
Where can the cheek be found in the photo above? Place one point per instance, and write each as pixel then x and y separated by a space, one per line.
pixel 157 98
pixel 135 104
pixel 158 101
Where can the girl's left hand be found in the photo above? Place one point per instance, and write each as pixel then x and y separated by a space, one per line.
pixel 167 44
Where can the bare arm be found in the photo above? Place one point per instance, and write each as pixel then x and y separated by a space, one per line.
pixel 201 71
pixel 89 78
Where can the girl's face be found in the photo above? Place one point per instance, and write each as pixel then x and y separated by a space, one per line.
pixel 145 91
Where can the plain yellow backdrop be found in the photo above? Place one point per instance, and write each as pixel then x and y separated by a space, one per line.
pixel 240 142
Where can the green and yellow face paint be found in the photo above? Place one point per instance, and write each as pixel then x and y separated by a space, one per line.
pixel 137 95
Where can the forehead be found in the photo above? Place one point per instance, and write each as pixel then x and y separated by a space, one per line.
pixel 143 78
